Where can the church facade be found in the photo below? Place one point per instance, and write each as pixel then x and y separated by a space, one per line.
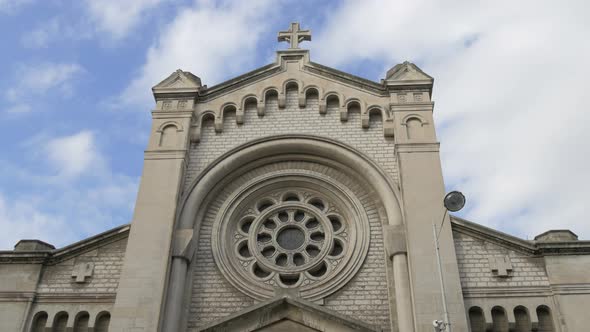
pixel 296 197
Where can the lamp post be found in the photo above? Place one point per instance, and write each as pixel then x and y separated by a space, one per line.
pixel 453 201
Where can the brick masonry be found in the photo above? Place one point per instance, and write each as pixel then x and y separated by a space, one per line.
pixel 292 120
pixel 365 297
pixel 108 259
pixel 474 267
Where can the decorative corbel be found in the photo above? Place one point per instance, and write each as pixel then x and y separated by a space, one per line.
pixel 394 239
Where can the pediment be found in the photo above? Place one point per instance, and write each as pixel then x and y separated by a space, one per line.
pixel 288 314
pixel 178 81
pixel 407 71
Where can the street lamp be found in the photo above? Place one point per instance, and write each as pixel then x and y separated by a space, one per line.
pixel 453 201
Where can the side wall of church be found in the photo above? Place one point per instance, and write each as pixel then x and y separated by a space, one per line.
pixel 524 284
pixel 365 297
pixel 58 298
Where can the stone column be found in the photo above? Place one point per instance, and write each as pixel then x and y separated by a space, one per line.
pixel 143 282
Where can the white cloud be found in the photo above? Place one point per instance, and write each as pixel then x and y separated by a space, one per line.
pixel 510 91
pixel 54 30
pixel 26 222
pixel 11 6
pixel 43 77
pixel 74 155
pixel 70 192
pixel 210 40
pixel 117 17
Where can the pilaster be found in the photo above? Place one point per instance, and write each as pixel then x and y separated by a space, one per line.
pixel 142 286
pixel 423 190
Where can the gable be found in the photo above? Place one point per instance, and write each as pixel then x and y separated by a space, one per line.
pixel 287 314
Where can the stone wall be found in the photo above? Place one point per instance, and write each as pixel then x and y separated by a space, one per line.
pixel 292 120
pixel 365 297
pixel 107 262
pixel 473 257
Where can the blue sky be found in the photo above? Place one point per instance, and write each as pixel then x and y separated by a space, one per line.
pixel 75 96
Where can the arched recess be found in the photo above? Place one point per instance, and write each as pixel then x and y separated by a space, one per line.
pixel 311 98
pixel 60 322
pixel 351 105
pixel 375 111
pixel 291 87
pixel 81 322
pixel 169 134
pixel 103 319
pixel 477 320
pixel 228 107
pixel 269 99
pixel 199 125
pixel 249 104
pixel 331 101
pixel 414 124
pixel 545 319
pixel 499 320
pixel 285 147
pixel 522 320
pixel 39 322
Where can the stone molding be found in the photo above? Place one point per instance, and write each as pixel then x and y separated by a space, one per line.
pixel 513 243
pixel 287 308
pixel 67 252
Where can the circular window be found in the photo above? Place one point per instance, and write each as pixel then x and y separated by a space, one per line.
pixel 293 240
pixel 301 235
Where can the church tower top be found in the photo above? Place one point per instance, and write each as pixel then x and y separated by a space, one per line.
pixel 294 36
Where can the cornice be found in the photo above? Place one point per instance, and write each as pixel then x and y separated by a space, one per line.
pixel 417 147
pixel 497 292
pixel 530 247
pixel 51 257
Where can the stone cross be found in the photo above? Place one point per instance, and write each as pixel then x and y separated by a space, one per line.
pixel 82 271
pixel 294 35
pixel 501 265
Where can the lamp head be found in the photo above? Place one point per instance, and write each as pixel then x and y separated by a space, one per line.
pixel 454 201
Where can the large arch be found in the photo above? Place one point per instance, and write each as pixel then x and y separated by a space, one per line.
pixel 272 149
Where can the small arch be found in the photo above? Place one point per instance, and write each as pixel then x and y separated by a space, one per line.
pixel 170 123
pixel 103 319
pixel 413 116
pixel 223 110
pixel 269 100
pixel 39 322
pixel 206 118
pixel 331 101
pixel 499 320
pixel 249 103
pixel 60 322
pixel 545 319
pixel 169 134
pixel 522 320
pixel 269 91
pixel 350 105
pixel 312 87
pixel 311 98
pixel 414 126
pixel 291 92
pixel 477 320
pixel 291 83
pixel 372 111
pixel 81 322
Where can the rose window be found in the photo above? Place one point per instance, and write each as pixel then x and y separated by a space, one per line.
pixel 291 242
pixel 308 240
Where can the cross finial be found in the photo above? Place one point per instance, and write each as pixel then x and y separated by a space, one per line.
pixel 294 35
